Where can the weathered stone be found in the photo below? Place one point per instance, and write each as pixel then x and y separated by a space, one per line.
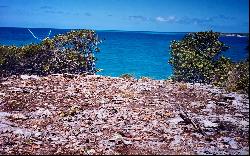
pixel 19 116
pixel 38 134
pixel 26 77
pixel 209 124
pixel 90 152
pixel 120 116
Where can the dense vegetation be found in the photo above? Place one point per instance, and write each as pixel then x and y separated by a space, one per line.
pixel 197 58
pixel 72 52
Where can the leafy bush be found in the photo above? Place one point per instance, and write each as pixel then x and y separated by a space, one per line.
pixel 127 76
pixel 145 78
pixel 238 78
pixel 72 52
pixel 197 58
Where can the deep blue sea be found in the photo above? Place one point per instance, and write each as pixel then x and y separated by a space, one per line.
pixel 136 53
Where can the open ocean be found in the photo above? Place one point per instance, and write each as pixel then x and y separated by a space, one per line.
pixel 136 53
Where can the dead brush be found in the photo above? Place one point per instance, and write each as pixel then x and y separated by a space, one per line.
pixel 182 86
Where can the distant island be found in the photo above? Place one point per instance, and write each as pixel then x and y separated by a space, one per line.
pixel 235 34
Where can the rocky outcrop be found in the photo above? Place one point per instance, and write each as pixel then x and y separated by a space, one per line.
pixel 76 114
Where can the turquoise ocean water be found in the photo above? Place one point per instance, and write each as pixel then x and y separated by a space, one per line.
pixel 136 53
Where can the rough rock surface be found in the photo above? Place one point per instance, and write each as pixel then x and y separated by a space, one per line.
pixel 73 114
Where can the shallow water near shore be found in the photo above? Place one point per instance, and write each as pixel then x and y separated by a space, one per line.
pixel 136 53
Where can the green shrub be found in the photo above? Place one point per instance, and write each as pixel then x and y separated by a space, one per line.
pixel 126 76
pixel 194 58
pixel 197 58
pixel 238 78
pixel 222 68
pixel 72 52
pixel 145 78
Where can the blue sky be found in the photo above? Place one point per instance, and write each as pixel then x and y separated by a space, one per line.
pixel 131 15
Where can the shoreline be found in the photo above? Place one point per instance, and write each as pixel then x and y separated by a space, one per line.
pixel 94 114
pixel 112 30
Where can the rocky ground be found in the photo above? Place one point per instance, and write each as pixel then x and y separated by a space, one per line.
pixel 72 114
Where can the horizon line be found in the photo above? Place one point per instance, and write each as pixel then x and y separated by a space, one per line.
pixel 118 30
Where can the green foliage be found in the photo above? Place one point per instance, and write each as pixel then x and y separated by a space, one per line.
pixel 238 78
pixel 126 76
pixel 221 70
pixel 196 56
pixel 145 78
pixel 71 52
